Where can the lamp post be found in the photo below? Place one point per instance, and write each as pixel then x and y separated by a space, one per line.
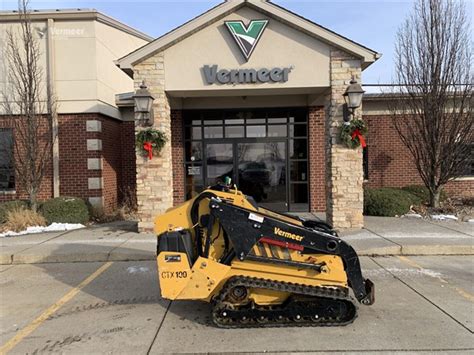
pixel 144 105
pixel 353 99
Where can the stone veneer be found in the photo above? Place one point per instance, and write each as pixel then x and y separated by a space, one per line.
pixel 154 177
pixel 344 189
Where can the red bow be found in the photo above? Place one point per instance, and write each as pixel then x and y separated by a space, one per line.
pixel 149 148
pixel 359 135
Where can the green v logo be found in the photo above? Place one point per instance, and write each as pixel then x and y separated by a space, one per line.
pixel 246 37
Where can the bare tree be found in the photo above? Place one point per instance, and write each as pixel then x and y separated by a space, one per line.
pixel 28 107
pixel 431 109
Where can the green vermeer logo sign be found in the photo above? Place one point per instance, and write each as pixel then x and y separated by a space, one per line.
pixel 246 36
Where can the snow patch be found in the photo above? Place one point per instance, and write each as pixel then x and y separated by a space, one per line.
pixel 53 227
pixel 402 272
pixel 412 215
pixel 470 220
pixel 135 269
pixel 444 217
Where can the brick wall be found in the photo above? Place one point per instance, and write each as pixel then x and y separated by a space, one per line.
pixel 317 158
pixel 117 172
pixel 46 189
pixel 390 163
pixel 177 152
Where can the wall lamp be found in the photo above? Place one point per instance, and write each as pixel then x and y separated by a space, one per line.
pixel 353 99
pixel 144 105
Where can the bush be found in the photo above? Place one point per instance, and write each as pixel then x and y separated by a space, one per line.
pixel 65 210
pixel 388 202
pixel 422 193
pixel 9 206
pixel 20 218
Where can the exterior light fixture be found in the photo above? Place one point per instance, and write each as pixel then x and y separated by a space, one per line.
pixel 144 105
pixel 353 98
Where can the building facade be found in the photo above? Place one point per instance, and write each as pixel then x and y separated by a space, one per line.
pixel 247 90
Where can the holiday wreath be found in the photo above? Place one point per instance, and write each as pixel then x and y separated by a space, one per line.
pixel 150 141
pixel 353 133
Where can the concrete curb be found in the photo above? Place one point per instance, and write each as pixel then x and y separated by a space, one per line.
pixel 141 255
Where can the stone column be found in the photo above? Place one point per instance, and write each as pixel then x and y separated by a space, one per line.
pixel 344 192
pixel 154 177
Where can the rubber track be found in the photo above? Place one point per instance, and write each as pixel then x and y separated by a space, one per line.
pixel 333 293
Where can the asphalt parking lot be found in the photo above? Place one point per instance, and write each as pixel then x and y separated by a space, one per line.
pixel 422 304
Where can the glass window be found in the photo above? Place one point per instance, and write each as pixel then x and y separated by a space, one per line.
pixel 298 148
pixel 256 131
pixel 234 131
pixel 193 191
pixel 193 151
pixel 234 121
pixel 196 122
pixel 193 133
pixel 255 120
pixel 212 122
pixel 298 130
pixel 194 174
pixel 299 193
pixel 277 131
pixel 298 171
pixel 277 120
pixel 7 173
pixel 213 132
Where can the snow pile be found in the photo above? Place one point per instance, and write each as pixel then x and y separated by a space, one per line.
pixel 53 227
pixel 444 217
pixel 470 220
pixel 412 215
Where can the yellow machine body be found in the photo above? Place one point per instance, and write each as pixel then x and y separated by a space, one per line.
pixel 204 279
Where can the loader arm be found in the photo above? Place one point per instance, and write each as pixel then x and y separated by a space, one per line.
pixel 245 228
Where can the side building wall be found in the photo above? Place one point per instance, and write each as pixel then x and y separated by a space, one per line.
pixel 391 165
pixel 96 161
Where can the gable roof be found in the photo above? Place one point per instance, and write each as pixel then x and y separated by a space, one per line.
pixel 367 55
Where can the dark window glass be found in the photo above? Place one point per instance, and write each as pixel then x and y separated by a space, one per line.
pixel 365 162
pixel 256 131
pixel 193 151
pixel 196 122
pixel 255 120
pixel 298 148
pixel 7 173
pixel 193 133
pixel 234 131
pixel 298 171
pixel 234 121
pixel 277 131
pixel 277 120
pixel 212 122
pixel 194 174
pixel 193 191
pixel 213 132
pixel 299 193
pixel 298 130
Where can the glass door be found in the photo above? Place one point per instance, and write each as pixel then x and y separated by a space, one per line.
pixel 219 162
pixel 261 174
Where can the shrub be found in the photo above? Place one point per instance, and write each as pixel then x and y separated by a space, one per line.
pixel 65 210
pixel 422 193
pixel 20 218
pixel 389 202
pixel 9 206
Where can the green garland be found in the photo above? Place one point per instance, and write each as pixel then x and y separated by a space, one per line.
pixel 157 139
pixel 348 129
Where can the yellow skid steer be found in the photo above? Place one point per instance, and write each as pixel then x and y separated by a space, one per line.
pixel 257 267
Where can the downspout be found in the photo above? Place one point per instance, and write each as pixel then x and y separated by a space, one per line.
pixel 51 91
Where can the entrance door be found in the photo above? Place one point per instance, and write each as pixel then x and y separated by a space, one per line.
pixel 262 173
pixel 258 169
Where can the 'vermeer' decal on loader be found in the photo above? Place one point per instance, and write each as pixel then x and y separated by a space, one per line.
pixel 247 36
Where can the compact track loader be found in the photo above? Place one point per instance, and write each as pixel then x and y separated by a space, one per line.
pixel 257 267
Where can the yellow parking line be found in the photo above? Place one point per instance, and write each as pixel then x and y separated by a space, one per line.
pixel 53 308
pixel 459 290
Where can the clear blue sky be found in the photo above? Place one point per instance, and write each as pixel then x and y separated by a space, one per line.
pixel 372 23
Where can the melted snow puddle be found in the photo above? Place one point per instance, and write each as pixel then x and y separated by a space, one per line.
pixel 402 272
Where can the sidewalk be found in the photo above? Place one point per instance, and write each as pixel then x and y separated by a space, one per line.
pixel 118 241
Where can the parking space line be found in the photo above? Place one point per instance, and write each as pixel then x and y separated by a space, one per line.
pixel 459 290
pixel 52 309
